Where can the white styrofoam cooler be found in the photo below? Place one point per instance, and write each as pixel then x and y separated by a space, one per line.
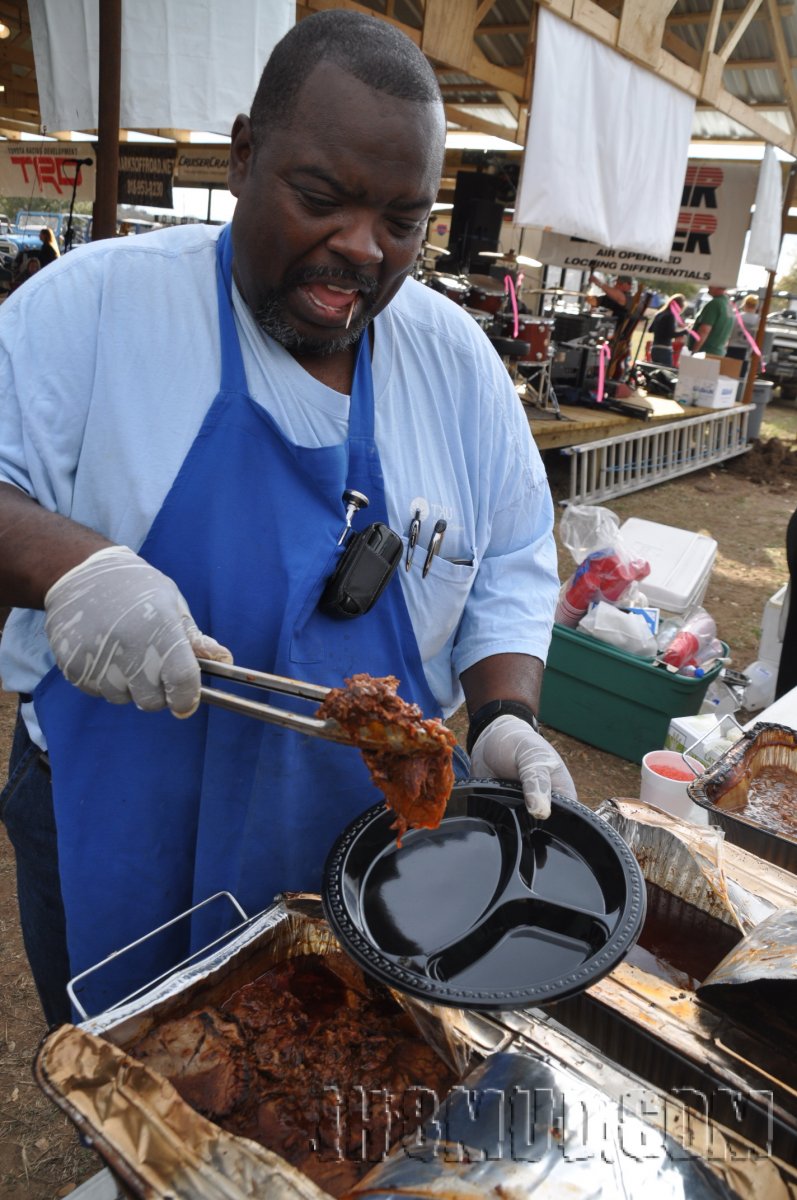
pixel 772 624
pixel 680 562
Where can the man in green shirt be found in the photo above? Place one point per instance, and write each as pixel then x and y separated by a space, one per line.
pixel 714 324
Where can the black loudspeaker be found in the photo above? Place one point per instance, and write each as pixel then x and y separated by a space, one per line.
pixel 475 221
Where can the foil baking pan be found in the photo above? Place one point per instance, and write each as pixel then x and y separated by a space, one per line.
pixel 525 1124
pixel 158 1147
pixel 154 1142
pixel 661 1026
pixel 722 792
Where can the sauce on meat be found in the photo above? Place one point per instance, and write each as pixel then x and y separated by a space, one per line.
pixel 416 785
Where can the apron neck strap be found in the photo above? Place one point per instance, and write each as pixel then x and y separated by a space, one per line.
pixel 233 375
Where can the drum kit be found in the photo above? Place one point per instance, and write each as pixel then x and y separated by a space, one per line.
pixel 525 344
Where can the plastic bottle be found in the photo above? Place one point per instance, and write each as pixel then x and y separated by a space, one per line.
pixel 704 660
pixel 666 632
pixel 694 635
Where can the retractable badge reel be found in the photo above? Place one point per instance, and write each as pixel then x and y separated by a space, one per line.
pixel 364 569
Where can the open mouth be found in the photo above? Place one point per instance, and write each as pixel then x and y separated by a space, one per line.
pixel 334 303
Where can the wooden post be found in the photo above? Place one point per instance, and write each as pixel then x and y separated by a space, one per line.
pixel 104 221
pixel 755 361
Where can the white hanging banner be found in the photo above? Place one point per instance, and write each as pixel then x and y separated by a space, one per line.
pixel 186 64
pixel 763 248
pixel 709 233
pixel 47 170
pixel 607 144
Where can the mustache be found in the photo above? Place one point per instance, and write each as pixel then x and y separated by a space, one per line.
pixel 364 283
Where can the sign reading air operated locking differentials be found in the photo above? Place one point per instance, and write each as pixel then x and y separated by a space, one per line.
pixel 709 235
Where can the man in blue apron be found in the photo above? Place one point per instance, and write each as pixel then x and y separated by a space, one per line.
pixel 177 493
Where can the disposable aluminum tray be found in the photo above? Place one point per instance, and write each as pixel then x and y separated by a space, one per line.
pixel 592 1116
pixel 672 1036
pixel 155 1144
pixel 722 792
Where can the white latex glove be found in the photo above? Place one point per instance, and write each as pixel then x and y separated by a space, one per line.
pixel 119 628
pixel 510 749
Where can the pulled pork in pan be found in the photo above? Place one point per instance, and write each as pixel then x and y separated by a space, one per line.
pixel 327 1075
pixel 415 784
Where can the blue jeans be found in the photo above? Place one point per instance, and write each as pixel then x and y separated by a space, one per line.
pixel 26 808
pixel 662 355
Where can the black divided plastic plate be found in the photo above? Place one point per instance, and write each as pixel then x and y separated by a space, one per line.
pixel 491 910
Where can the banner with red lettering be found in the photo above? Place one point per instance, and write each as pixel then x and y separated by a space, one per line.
pixel 47 170
pixel 713 219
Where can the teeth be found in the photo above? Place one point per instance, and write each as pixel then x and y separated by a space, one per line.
pixel 346 291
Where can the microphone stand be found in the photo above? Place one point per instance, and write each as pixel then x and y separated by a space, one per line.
pixel 69 232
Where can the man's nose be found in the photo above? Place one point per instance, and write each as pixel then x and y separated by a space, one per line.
pixel 356 239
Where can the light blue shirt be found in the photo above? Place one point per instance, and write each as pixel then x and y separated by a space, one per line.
pixel 109 361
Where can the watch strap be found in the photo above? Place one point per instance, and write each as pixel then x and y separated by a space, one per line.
pixel 488 713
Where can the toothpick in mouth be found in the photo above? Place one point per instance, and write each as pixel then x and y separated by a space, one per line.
pixel 351 311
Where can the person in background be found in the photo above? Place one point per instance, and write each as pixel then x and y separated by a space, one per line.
pixel 738 345
pixel 616 297
pixel 49 251
pixel 664 327
pixel 26 265
pixel 713 324
pixel 226 387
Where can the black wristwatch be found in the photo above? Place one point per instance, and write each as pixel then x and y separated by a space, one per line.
pixel 485 715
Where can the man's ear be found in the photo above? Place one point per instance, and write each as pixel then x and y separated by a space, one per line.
pixel 241 153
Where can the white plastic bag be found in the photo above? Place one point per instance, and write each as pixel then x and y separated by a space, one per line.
pixel 624 630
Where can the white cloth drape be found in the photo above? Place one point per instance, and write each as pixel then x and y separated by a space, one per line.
pixel 607 145
pixel 763 248
pixel 186 64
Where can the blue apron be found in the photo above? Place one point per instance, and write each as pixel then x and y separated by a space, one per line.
pixel 155 814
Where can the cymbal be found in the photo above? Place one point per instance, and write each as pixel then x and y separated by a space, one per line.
pixel 510 257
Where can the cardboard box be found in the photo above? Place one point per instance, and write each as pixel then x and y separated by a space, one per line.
pixel 710 736
pixel 707 382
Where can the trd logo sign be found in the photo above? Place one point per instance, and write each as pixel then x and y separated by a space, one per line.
pixel 48 169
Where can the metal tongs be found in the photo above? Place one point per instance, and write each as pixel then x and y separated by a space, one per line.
pixel 375 735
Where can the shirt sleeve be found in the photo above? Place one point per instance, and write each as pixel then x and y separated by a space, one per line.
pixel 46 367
pixel 511 604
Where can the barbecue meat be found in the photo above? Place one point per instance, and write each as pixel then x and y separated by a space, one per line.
pixel 327 1075
pixel 416 785
pixel 204 1056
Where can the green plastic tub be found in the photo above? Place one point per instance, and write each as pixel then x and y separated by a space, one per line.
pixel 611 699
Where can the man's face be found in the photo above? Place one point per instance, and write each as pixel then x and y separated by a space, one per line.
pixel 332 209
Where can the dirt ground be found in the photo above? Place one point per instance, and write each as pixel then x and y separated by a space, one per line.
pixel 744 504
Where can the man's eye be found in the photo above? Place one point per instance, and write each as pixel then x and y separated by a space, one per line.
pixel 318 201
pixel 405 228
